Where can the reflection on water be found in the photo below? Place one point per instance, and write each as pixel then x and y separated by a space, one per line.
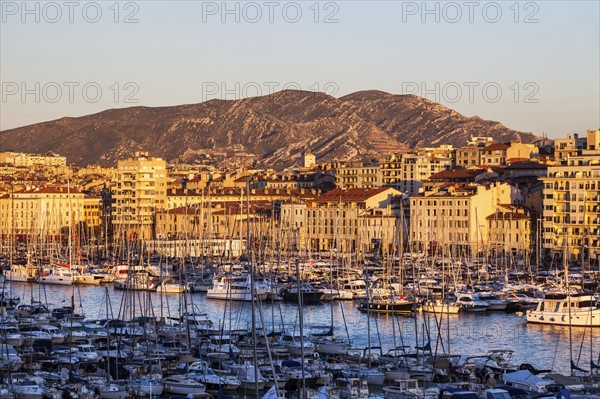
pixel 471 334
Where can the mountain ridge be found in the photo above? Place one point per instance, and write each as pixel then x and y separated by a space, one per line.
pixel 274 129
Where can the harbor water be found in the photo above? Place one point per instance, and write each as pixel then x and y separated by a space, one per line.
pixel 543 346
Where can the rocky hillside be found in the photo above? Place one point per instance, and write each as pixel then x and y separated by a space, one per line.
pixel 275 129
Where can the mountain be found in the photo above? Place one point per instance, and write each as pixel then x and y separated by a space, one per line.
pixel 418 122
pixel 274 129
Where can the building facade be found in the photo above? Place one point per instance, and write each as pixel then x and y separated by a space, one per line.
pixel 140 190
pixel 407 172
pixel 358 175
pixel 455 215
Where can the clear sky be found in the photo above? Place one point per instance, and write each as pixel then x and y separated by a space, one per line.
pixel 534 66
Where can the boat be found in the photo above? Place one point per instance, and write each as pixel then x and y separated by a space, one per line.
pixel 328 344
pixel 525 380
pixel 21 273
pixel 86 278
pixel 136 282
pixel 169 286
pixel 250 378
pixel 373 376
pixel 564 310
pixel 151 387
pixel 383 301
pixel 439 307
pixel 310 295
pixel 121 271
pixel 86 352
pixel 494 302
pixel 297 345
pixel 409 389
pixel 56 335
pixel 346 388
pixel 26 388
pixel 183 385
pixel 59 273
pixel 10 359
pixel 354 289
pixel 470 302
pixel 235 288
pixel 10 335
pixel 213 382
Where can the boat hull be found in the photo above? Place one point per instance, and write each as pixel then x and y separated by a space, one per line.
pixel 577 319
pixel 387 307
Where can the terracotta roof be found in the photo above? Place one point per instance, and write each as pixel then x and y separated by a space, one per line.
pixel 237 192
pixel 517 160
pixel 350 195
pixel 496 146
pixel 508 216
pixel 527 165
pixel 217 207
pixel 456 174
pixel 52 190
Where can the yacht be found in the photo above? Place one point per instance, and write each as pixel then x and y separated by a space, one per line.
pixel 440 307
pixel 383 301
pixel 354 289
pixel 169 286
pixel 235 288
pixel 22 273
pixel 495 303
pixel 56 335
pixel 583 311
pixel 136 282
pixel 470 302
pixel 84 277
pixel 308 293
pixel 60 274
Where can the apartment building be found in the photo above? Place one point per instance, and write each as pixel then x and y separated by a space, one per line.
pixel 352 220
pixel 455 214
pixel 140 189
pixel 571 198
pixel 20 159
pixel 358 174
pixel 408 171
pixel 213 220
pixel 292 230
pixel 47 211
pixel 490 153
pixel 509 229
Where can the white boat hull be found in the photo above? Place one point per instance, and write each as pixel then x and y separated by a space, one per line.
pixel 576 319
pixel 57 280
pixel 234 296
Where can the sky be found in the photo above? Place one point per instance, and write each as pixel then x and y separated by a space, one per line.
pixel 533 66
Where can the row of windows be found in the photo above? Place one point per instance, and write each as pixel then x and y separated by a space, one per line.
pixel 454 203
pixel 449 223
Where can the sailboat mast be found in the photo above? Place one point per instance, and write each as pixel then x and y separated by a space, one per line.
pixel 252 289
pixel 301 325
pixel 568 285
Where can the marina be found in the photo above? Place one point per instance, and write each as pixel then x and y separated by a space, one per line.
pixel 416 337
